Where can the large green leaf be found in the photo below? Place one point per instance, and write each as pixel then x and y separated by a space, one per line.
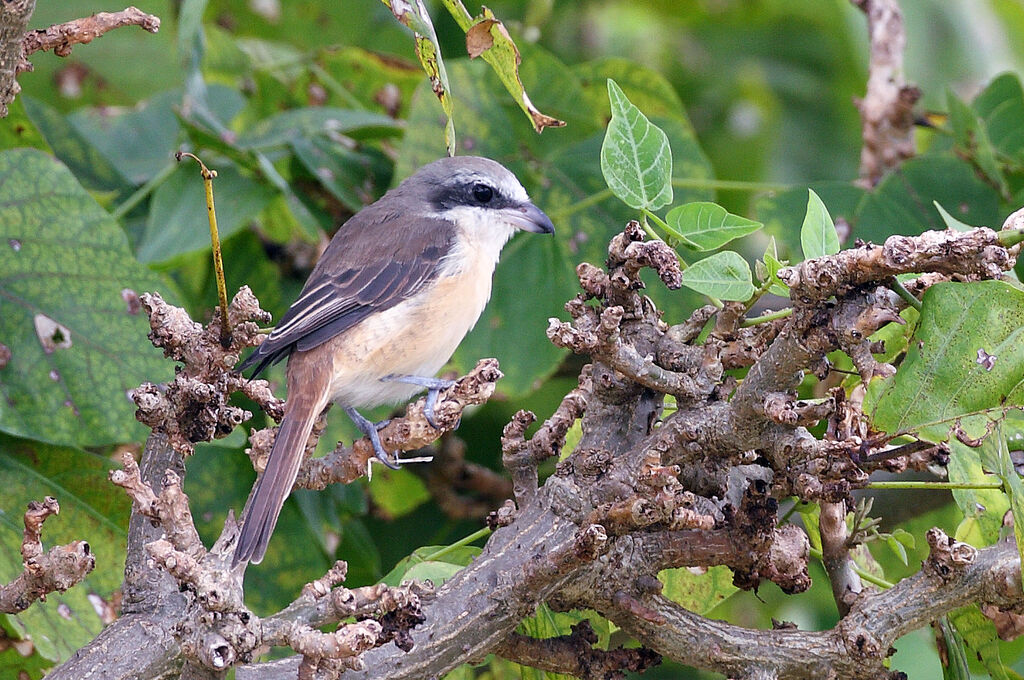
pixel 289 125
pixel 91 167
pixel 68 313
pixel 967 358
pixel 635 158
pixel 903 201
pixel 91 509
pixel 141 141
pixel 178 221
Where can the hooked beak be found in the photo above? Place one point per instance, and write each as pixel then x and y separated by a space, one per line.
pixel 529 217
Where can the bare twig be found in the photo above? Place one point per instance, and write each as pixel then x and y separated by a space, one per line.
pixel 887 121
pixel 51 572
pixel 61 37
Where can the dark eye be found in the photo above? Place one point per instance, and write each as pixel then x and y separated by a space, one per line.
pixel 483 193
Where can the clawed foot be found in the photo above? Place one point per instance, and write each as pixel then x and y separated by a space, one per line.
pixel 434 387
pixel 370 430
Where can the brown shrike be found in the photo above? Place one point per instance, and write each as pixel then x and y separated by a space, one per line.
pixel 397 289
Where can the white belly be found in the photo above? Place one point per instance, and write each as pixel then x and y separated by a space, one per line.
pixel 416 337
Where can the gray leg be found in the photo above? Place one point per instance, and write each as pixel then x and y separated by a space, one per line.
pixel 370 430
pixel 434 387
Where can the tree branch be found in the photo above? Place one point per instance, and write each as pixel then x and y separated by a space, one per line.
pixel 61 37
pixel 50 572
pixel 887 121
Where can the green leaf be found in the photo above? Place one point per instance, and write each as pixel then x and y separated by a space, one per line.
pixel 956 652
pixel 905 198
pixel 90 509
pixel 422 565
pixel 772 265
pixel 487 37
pixel 355 177
pixel 951 222
pixel 89 166
pixel 979 633
pixel 14 666
pixel 967 359
pixel 365 76
pixel 897 548
pixel 19 132
pixel 1001 107
pixel 635 157
pixel 972 141
pixel 178 221
pixel 983 509
pixel 139 142
pixel 698 592
pixel 818 235
pixel 287 126
pixel 995 455
pixel 783 212
pixel 428 50
pixel 708 226
pixel 398 492
pixel 76 336
pixel 724 275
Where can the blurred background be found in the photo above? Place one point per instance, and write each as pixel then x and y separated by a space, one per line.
pixel 757 98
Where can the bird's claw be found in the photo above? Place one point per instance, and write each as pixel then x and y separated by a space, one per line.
pixel 370 430
pixel 434 387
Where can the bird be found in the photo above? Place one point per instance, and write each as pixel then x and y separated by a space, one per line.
pixel 387 304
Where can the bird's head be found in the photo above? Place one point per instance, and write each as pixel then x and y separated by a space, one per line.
pixel 473 190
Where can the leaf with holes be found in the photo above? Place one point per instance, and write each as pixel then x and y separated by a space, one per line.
pixel 635 157
pixel 964 364
pixel 72 334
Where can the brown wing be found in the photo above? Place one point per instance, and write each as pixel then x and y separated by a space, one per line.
pixel 376 260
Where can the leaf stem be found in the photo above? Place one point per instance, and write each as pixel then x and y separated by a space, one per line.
pixel 870 578
pixel 907 296
pixel 934 485
pixel 726 184
pixel 143 191
pixel 473 537
pixel 1010 237
pixel 765 318
pixel 218 262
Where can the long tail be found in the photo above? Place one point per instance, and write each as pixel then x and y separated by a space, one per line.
pixel 272 488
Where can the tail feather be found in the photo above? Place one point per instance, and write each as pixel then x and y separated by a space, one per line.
pixel 274 485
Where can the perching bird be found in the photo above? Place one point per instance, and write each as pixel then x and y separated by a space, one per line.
pixel 399 286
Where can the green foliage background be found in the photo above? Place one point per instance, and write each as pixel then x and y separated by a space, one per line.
pixel 312 111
